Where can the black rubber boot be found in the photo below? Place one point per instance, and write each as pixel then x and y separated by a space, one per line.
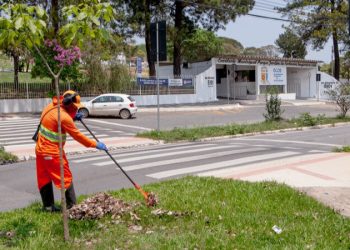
pixel 47 197
pixel 71 200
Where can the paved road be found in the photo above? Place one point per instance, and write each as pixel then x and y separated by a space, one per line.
pixel 96 172
pixel 15 132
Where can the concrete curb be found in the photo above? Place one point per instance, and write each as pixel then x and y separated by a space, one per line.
pixel 266 132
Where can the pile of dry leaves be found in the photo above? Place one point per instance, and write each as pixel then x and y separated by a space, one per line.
pixel 98 206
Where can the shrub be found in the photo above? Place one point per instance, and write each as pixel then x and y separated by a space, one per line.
pixel 273 106
pixel 341 96
pixel 306 119
pixel 6 157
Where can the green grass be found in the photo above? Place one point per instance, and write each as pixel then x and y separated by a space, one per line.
pixel 343 149
pixel 6 157
pixel 23 78
pixel 197 133
pixel 223 214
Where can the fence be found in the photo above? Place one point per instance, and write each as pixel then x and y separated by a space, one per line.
pixel 43 90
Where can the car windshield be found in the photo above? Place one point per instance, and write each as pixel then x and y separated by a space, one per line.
pixel 131 99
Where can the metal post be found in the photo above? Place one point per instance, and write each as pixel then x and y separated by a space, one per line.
pixel 228 85
pixel 157 76
pixel 27 90
pixel 234 82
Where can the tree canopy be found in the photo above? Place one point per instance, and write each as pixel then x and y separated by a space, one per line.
pixel 318 21
pixel 291 45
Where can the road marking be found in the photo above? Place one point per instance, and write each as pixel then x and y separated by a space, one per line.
pixel 211 166
pixel 140 152
pixel 190 158
pixel 120 125
pixel 296 142
pixel 110 162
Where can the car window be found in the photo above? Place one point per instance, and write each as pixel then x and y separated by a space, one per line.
pixel 131 99
pixel 99 99
pixel 118 99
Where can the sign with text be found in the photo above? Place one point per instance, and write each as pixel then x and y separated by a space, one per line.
pixel 272 75
pixel 187 82
pixel 210 80
pixel 152 81
pixel 175 82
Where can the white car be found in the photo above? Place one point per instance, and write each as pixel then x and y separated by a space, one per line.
pixel 112 104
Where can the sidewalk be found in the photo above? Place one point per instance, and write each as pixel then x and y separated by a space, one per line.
pixel 325 176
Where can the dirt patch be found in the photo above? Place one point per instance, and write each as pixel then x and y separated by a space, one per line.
pixel 337 198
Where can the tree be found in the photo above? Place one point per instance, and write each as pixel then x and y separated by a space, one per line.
pixel 137 19
pixel 291 45
pixel 341 96
pixel 231 46
pixel 209 14
pixel 317 21
pixel 201 45
pixel 268 50
pixel 28 25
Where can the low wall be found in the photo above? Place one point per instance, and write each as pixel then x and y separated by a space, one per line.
pixel 36 105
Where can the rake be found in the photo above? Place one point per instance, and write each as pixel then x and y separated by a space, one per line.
pixel 150 198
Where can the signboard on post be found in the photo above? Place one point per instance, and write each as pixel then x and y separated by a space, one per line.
pixel 139 67
pixel 161 41
pixel 272 75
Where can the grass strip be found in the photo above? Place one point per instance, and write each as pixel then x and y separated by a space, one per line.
pixel 6 157
pixel 345 149
pixel 196 133
pixel 222 214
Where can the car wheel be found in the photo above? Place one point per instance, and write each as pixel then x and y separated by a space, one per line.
pixel 124 114
pixel 84 111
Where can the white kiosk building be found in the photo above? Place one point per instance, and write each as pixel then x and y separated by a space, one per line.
pixel 249 77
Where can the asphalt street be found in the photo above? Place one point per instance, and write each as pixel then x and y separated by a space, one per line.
pixel 95 172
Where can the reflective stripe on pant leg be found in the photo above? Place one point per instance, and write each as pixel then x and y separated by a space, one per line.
pixel 42 175
pixel 54 172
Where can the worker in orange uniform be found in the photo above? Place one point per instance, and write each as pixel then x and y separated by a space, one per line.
pixel 47 148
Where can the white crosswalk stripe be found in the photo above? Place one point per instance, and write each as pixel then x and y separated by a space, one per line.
pixel 219 165
pixel 164 154
pixel 123 155
pixel 18 131
pixel 190 158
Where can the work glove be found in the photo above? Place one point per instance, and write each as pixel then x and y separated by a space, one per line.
pixel 78 116
pixel 101 146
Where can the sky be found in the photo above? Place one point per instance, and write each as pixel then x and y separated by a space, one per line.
pixel 257 32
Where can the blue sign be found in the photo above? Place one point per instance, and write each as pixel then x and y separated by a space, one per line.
pixel 187 82
pixel 151 81
pixel 139 66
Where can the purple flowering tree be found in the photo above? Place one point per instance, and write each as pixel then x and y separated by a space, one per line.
pixel 58 59
pixel 27 25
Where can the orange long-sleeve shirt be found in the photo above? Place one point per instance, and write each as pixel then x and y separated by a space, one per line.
pixel 47 143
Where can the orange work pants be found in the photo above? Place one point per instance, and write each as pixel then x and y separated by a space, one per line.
pixel 48 169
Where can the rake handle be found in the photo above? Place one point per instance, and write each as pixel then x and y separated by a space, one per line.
pixel 116 163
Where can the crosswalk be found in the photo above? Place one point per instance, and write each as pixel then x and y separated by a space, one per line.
pixel 167 161
pixel 19 131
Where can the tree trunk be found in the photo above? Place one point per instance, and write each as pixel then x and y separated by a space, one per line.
pixel 336 72
pixel 16 69
pixel 55 16
pixel 178 39
pixel 336 57
pixel 151 64
pixel 63 197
